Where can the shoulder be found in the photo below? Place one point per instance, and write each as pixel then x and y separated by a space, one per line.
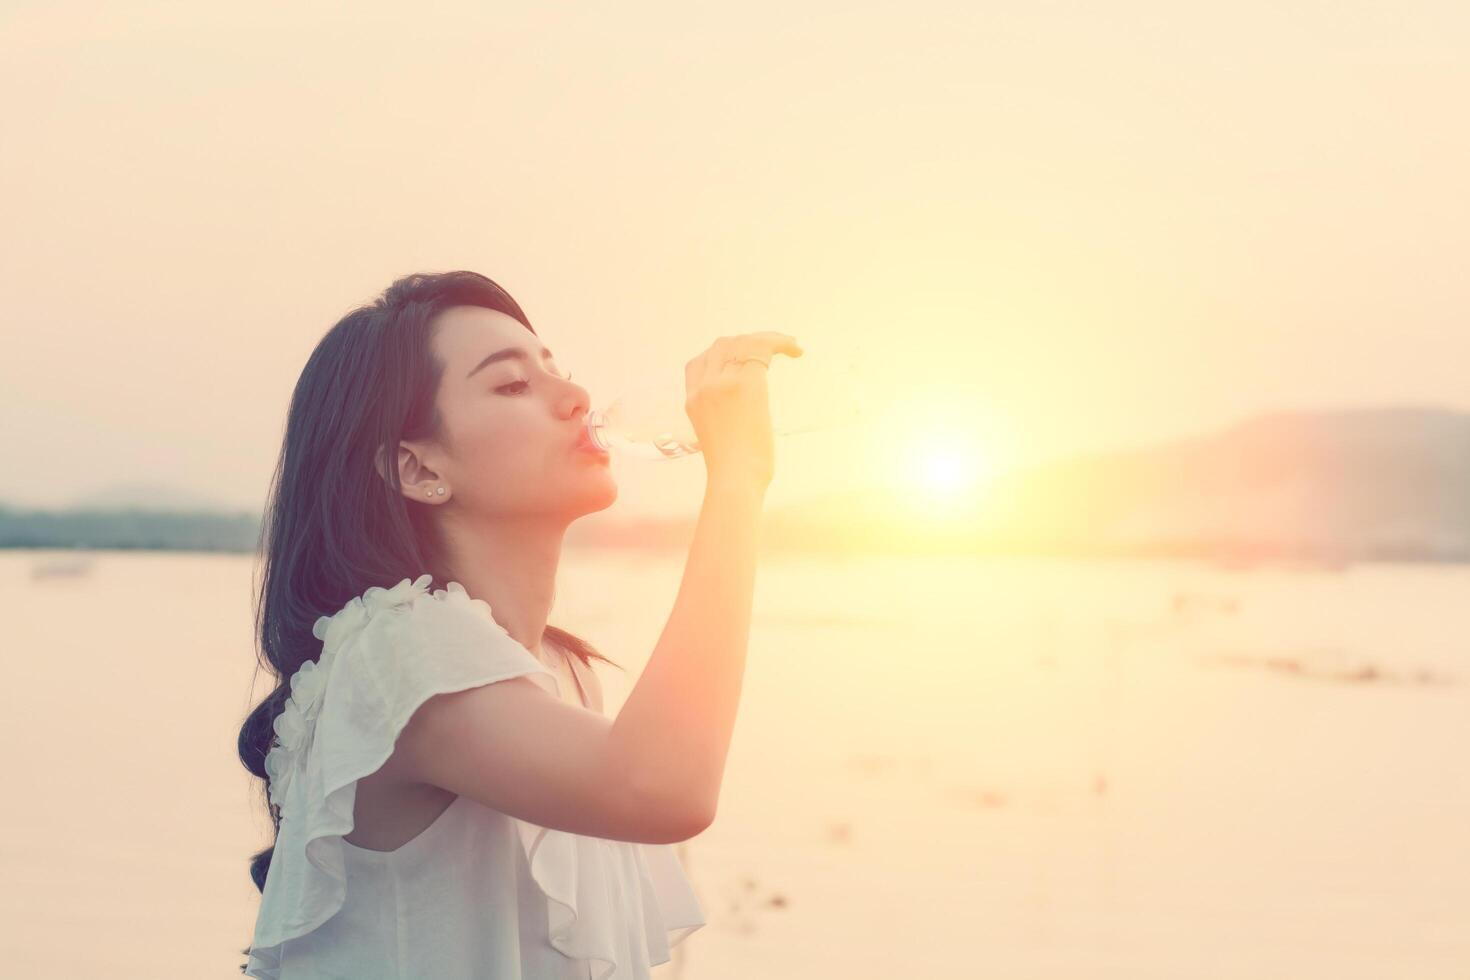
pixel 412 614
pixel 385 653
pixel 388 649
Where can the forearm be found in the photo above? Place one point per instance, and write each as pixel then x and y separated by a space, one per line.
pixel 674 730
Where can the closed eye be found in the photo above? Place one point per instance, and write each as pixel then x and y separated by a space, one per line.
pixel 520 386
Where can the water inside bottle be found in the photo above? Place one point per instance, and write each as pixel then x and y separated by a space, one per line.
pixel 663 445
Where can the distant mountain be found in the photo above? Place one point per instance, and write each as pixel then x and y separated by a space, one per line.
pixel 134 528
pixel 1390 483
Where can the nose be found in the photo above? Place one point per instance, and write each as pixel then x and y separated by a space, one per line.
pixel 579 400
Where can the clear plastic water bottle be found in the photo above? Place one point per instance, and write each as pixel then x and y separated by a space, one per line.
pixel 651 423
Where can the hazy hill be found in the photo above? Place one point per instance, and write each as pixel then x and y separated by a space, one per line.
pixel 1341 485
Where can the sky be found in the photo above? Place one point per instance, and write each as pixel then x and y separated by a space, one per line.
pixel 1024 230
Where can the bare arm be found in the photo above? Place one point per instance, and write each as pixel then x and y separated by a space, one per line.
pixel 677 722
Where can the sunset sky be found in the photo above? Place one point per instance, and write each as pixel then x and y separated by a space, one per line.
pixel 1034 228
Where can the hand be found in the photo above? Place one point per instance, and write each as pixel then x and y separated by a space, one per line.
pixel 727 400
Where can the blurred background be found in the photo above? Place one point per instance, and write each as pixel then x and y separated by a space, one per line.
pixel 1126 637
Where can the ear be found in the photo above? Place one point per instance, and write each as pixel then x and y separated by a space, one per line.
pixel 417 481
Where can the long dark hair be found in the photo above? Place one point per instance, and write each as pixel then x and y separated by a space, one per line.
pixel 333 524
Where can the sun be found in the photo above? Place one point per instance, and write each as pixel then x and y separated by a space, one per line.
pixel 947 472
pixel 938 457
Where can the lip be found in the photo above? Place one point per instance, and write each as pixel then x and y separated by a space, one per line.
pixel 585 444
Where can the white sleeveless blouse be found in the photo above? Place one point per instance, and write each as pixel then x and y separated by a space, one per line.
pixel 478 894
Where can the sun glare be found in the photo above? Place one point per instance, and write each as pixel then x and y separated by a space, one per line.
pixel 947 451
pixel 947 472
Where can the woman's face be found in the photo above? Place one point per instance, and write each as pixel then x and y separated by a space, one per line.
pixel 512 424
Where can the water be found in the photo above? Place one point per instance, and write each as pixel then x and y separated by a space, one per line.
pixel 941 766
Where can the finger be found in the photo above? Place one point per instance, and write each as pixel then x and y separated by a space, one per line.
pixel 721 350
pixel 737 362
pixel 779 343
pixel 766 345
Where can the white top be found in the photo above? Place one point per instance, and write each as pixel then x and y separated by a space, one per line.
pixel 479 893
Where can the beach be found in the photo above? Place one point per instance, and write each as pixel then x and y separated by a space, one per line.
pixel 1009 767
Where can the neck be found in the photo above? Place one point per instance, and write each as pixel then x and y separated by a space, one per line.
pixel 510 564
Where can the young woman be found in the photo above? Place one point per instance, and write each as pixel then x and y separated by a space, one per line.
pixel 448 799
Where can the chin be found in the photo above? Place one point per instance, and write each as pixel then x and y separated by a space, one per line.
pixel 602 498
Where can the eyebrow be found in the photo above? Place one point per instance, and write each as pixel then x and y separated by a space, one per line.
pixel 507 354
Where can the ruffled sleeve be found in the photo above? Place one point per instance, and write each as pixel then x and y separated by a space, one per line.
pixel 383 655
pixel 577 874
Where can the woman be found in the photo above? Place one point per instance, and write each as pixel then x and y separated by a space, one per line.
pixel 448 799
